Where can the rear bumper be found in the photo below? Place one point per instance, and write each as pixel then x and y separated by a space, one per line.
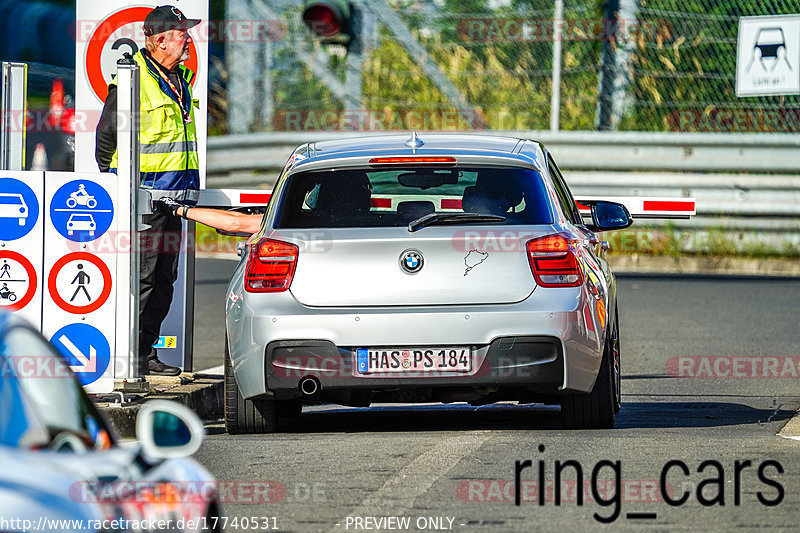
pixel 532 363
pixel 258 323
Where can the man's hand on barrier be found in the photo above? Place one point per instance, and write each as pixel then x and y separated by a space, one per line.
pixel 168 205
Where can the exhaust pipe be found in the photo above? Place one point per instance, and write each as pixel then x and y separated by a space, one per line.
pixel 309 386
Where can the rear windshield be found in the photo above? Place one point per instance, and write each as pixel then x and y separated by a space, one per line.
pixel 396 196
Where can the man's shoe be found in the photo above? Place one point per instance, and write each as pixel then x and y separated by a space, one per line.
pixel 158 368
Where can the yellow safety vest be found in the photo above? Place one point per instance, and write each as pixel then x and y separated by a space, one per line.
pixel 169 164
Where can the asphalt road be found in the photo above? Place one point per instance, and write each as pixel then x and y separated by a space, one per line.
pixel 453 467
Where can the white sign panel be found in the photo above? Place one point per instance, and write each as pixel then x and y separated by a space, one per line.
pixel 82 240
pixel 104 31
pixel 21 244
pixel 768 56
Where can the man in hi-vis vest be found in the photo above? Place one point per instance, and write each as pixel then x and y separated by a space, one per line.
pixel 169 164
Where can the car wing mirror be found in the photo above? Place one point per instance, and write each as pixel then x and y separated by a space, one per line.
pixel 608 216
pixel 167 429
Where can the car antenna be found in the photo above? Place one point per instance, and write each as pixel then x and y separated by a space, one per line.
pixel 414 142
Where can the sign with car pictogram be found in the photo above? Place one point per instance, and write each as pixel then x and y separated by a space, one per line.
pixel 19 209
pixel 83 246
pixel 81 210
pixel 768 56
pixel 21 244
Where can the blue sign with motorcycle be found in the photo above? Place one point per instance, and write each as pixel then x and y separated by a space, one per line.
pixel 86 350
pixel 81 210
pixel 19 209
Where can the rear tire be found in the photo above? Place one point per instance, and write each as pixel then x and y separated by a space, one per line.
pixel 246 416
pixel 616 362
pixel 597 409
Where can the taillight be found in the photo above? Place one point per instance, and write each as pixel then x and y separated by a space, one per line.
pixel 416 159
pixel 271 266
pixel 554 261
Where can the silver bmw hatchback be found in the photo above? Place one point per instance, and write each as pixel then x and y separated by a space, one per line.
pixel 435 268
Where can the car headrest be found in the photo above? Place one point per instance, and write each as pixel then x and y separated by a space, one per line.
pixel 475 200
pixel 412 210
pixel 498 185
pixel 344 194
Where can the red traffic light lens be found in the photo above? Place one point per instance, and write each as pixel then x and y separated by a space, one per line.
pixel 322 20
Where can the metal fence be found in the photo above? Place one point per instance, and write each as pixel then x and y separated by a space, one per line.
pixel 594 151
pixel 643 65
pixel 746 186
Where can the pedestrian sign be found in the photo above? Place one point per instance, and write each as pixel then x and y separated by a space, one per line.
pixel 79 276
pixel 81 210
pixel 19 209
pixel 86 350
pixel 79 283
pixel 17 280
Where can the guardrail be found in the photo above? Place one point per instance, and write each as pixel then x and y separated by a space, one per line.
pixel 574 150
pixel 747 186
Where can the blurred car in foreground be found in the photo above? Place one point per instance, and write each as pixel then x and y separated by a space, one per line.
pixel 63 468
pixel 440 268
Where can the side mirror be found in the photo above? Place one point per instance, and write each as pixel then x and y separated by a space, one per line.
pixel 167 429
pixel 609 216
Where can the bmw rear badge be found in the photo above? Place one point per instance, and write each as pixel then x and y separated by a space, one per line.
pixel 411 261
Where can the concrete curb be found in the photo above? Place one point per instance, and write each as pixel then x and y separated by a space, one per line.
pixel 202 394
pixel 705 265
pixel 792 428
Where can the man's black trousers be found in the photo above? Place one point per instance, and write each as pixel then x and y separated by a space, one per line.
pixel 159 248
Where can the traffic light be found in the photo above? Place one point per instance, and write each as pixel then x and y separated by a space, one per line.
pixel 329 20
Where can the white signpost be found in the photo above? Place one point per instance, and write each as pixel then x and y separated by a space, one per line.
pixel 84 239
pixel 768 56
pixel 21 243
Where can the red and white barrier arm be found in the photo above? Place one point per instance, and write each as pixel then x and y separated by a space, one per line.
pixel 233 197
pixel 638 206
pixel 646 206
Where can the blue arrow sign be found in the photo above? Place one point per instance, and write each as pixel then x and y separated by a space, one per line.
pixel 86 350
pixel 81 210
pixel 19 209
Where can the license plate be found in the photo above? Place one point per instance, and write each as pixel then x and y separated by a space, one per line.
pixel 421 360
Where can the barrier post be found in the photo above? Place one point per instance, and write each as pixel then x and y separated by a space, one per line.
pixel 14 108
pixel 128 264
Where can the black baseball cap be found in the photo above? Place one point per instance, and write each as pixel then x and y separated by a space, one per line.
pixel 164 18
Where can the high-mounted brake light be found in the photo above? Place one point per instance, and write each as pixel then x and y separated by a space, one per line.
pixel 394 160
pixel 271 266
pixel 554 261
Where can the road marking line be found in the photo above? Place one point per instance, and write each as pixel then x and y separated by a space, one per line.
pixel 397 495
pixel 792 428
pixel 213 371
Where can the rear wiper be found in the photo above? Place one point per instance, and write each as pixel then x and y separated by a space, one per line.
pixel 452 218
